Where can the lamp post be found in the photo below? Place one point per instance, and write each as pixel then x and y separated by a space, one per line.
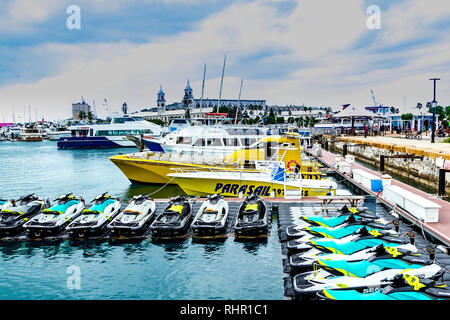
pixel 433 106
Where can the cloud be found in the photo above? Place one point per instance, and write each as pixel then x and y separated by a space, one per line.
pixel 312 53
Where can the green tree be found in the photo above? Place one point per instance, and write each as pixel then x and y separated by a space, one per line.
pixel 157 121
pixel 407 116
pixel 90 116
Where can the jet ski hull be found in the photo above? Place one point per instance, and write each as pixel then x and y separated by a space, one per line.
pixel 209 230
pixel 170 230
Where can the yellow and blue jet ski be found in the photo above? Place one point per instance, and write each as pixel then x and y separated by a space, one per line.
pixel 174 220
pixel 253 218
pixel 403 287
pixel 364 274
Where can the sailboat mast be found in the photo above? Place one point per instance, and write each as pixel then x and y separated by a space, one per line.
pixel 203 90
pixel 239 102
pixel 221 82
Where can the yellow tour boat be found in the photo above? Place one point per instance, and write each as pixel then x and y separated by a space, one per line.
pixel 154 168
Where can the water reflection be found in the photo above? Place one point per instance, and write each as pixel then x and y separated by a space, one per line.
pixel 212 247
pixel 252 245
pixel 92 248
pixel 11 249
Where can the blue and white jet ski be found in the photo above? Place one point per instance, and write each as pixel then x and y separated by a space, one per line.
pixel 53 219
pixel 93 220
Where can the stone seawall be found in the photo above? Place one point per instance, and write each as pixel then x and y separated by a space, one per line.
pixel 423 171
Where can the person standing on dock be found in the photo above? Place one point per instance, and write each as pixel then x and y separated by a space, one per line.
pixel 366 130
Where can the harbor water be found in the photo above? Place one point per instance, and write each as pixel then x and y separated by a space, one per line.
pixel 116 269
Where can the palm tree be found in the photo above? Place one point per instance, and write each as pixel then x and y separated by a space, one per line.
pixel 81 115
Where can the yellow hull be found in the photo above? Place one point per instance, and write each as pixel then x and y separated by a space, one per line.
pixel 154 171
pixel 232 188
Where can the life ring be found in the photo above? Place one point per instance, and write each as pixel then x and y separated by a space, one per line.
pixel 289 167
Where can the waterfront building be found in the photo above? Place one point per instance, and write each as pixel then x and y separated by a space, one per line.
pixel 80 107
pixel 166 112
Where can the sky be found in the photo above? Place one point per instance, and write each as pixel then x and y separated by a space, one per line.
pixel 312 52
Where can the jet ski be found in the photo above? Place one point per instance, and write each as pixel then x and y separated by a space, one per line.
pixel 175 219
pixel 212 216
pixel 350 243
pixel 93 220
pixel 15 213
pixel 53 219
pixel 305 261
pixel 337 232
pixel 135 217
pixel 364 274
pixel 402 287
pixel 349 216
pixel 253 217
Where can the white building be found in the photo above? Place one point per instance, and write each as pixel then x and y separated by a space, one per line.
pixel 197 107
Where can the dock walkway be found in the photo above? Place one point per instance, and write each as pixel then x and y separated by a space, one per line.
pixel 440 230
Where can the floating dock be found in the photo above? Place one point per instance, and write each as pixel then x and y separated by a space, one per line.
pixel 440 230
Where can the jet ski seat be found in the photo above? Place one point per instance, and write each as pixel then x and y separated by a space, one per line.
pixel 99 208
pixel 60 208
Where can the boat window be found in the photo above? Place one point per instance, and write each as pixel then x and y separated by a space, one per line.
pixel 199 142
pixel 214 142
pixel 184 140
pixel 231 142
pixel 104 133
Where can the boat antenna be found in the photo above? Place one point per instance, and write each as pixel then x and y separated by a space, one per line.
pixel 239 102
pixel 203 90
pixel 221 82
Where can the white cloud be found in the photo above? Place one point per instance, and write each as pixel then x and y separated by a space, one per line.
pixel 314 39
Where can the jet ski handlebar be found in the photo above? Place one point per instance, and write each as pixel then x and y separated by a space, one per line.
pixel 26 197
pixel 63 197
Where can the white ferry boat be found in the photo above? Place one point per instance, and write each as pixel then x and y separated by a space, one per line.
pixel 55 133
pixel 216 140
pixel 110 135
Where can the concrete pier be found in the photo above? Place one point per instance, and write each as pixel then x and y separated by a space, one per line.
pixel 425 171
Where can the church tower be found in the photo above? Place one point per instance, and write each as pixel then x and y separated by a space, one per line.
pixel 161 100
pixel 188 91
pixel 188 98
